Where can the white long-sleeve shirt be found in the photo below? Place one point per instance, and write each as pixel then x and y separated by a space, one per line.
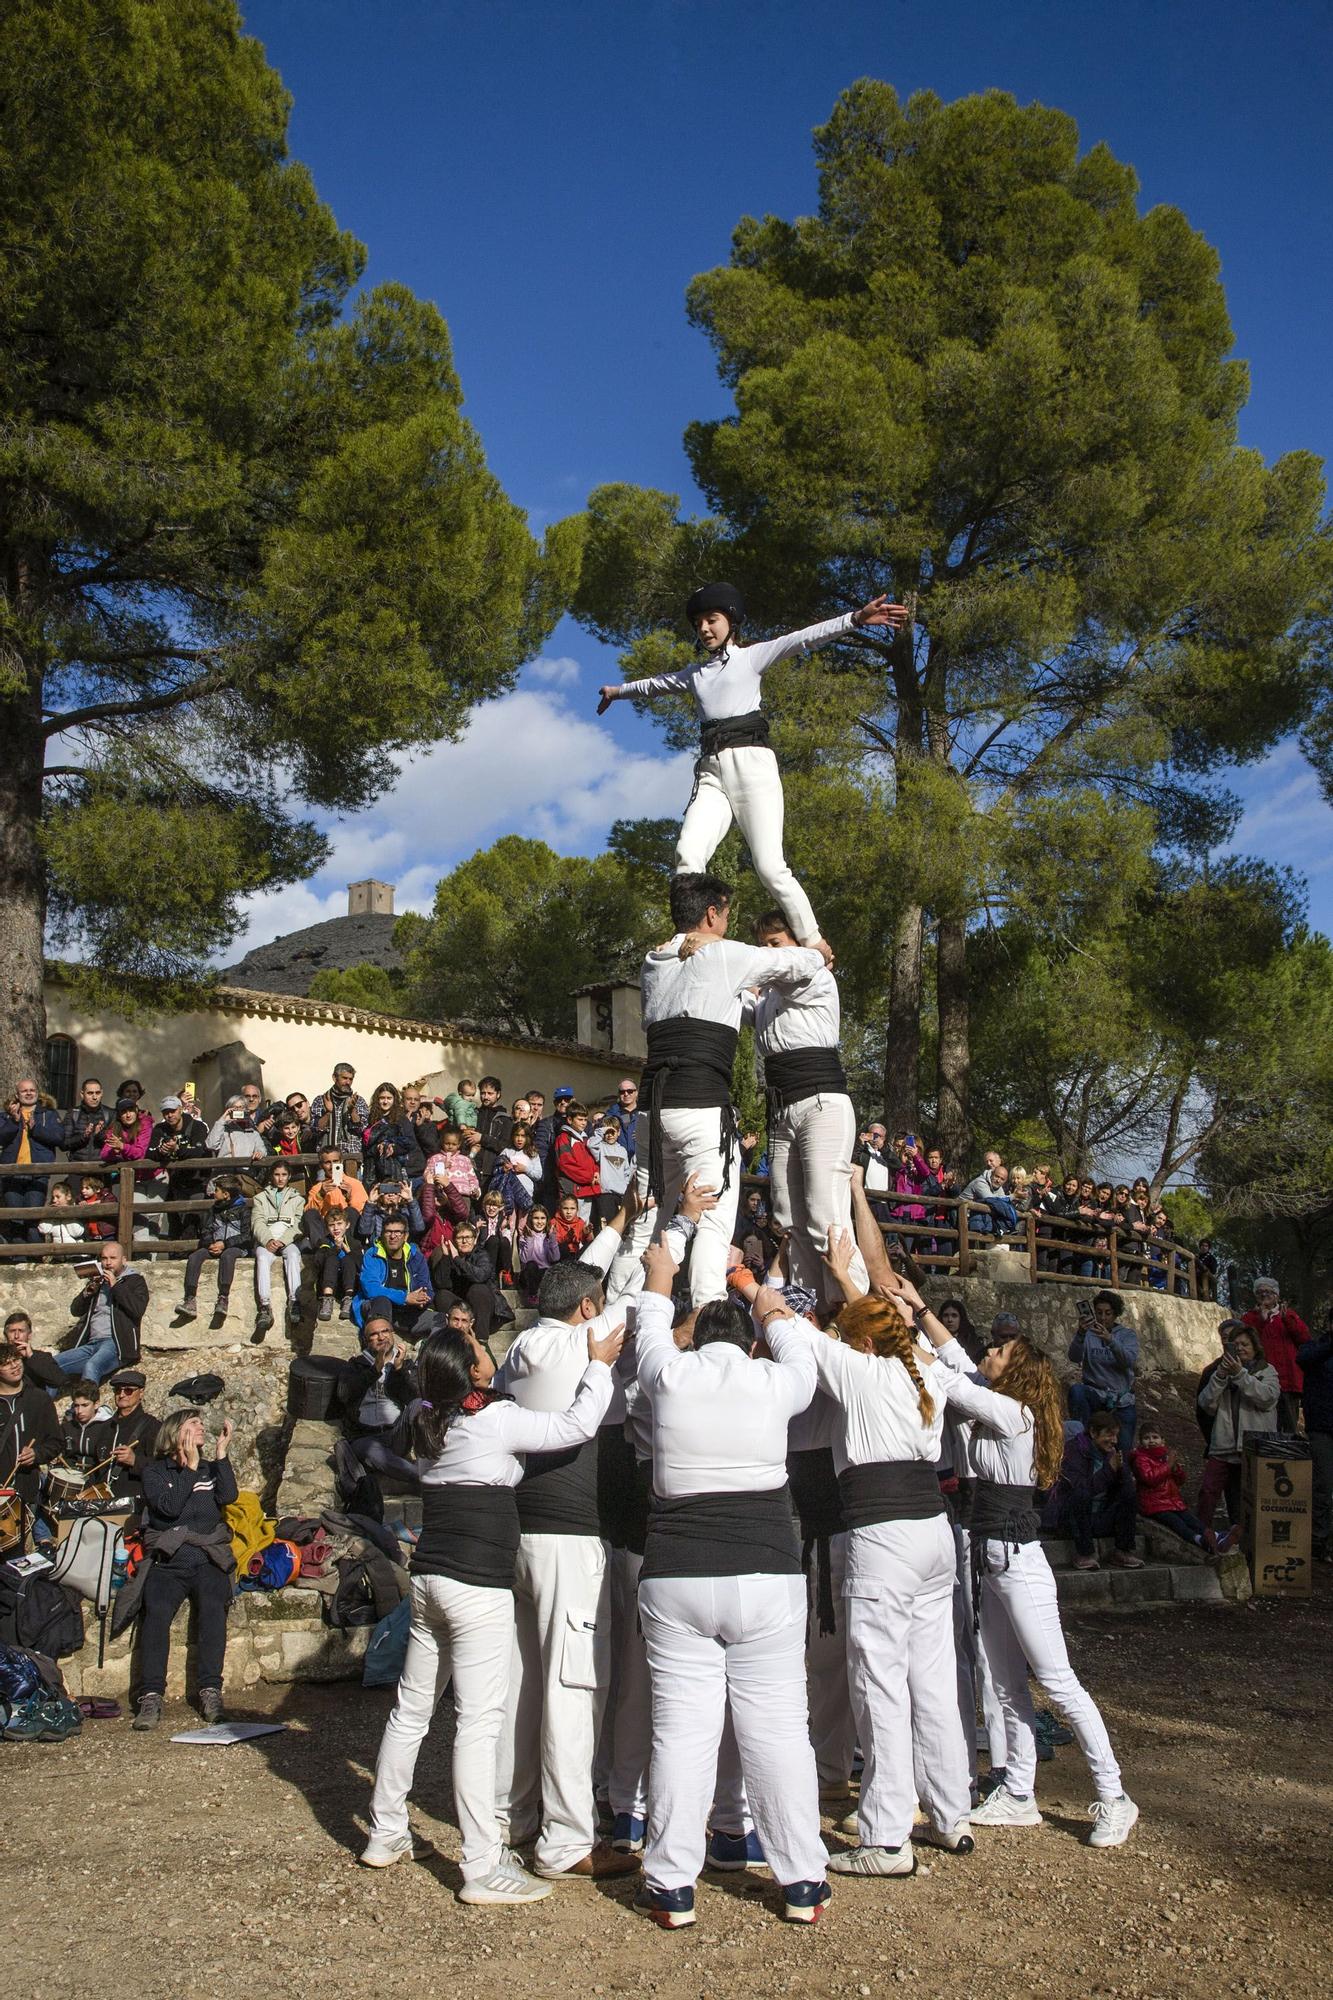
pixel 729 682
pixel 547 1361
pixel 806 1015
pixel 1002 1443
pixel 488 1447
pixel 711 983
pixel 719 1419
pixel 878 1416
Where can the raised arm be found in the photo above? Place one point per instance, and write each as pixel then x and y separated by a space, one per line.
pixel 879 611
pixel 651 684
pixel 557 1430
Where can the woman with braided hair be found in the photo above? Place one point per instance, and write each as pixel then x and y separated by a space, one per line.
pixel 1017 1440
pixel 471 1447
pixel 899 1582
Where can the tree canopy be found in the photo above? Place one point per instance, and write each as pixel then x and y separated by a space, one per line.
pixel 518 928
pixel 980 377
pixel 249 545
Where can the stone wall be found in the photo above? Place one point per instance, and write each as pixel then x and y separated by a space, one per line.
pixel 1176 1336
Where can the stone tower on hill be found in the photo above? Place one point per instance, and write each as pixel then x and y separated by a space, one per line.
pixel 289 964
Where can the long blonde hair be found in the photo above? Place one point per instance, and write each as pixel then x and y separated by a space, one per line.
pixel 870 1326
pixel 1030 1379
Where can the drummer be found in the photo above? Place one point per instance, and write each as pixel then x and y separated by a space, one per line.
pixel 128 1440
pixel 82 1425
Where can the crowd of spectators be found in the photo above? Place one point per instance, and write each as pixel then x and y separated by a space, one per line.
pixel 416 1199
pixel 913 1188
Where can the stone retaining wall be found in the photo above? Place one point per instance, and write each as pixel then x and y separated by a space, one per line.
pixel 1176 1336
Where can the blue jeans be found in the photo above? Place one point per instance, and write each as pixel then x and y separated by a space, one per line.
pixel 1085 1402
pixel 92 1362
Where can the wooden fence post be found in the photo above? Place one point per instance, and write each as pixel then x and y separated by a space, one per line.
pixel 125 1208
pixel 1114 1240
pixel 964 1247
pixel 1031 1220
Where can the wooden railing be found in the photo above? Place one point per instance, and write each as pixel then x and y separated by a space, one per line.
pixel 125 1211
pixel 959 1247
pixel 938 1246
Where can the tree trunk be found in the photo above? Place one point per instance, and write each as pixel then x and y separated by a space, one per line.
pixel 22 891
pixel 903 1038
pixel 953 1063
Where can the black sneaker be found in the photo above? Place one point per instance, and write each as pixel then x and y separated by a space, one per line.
pixel 219 1318
pixel 345 1310
pixel 148 1713
pixel 325 1312
pixel 188 1308
pixel 263 1321
pixel 210 1705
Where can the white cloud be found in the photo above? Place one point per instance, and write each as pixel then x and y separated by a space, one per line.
pixel 528 764
pixel 560 672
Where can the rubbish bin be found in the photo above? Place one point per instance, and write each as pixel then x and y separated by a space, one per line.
pixel 1278 1505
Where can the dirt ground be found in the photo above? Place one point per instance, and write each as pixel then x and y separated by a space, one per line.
pixel 135 1864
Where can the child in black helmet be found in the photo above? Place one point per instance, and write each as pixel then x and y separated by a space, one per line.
pixel 737 774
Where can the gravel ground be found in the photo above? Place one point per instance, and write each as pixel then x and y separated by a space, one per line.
pixel 231 1872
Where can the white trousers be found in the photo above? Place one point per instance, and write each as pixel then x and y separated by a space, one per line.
pixel 1020 1627
pixel 633 1738
pixel 560 1673
pixel 832 1724
pixel 713 1641
pixel 466 1633
pixel 291 1272
pixel 745 785
pixel 899 1602
pixel 810 1183
pixel 689 1146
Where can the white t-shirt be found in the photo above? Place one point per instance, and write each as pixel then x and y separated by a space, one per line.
pixel 711 983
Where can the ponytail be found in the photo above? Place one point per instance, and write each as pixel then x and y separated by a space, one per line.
pixel 444 1372
pixel 871 1326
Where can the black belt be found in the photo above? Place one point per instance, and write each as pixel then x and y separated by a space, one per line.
pixel 795 1073
pixel 900 1489
pixel 734 732
pixel 1002 1513
pixel 469 1533
pixel 688 1069
pixel 722 1534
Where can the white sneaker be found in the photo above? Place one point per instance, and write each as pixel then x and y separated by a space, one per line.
pixel 510 1882
pixel 850 1825
pixel 1003 1808
pixel 382 1850
pixel 874 1861
pixel 1112 1820
pixel 955 1839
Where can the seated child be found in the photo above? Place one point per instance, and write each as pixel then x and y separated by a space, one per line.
pixel 1159 1476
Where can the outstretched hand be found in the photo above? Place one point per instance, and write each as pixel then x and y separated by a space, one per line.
pixel 696 1200
pixel 882 611
pixel 607 1349
pixel 606 696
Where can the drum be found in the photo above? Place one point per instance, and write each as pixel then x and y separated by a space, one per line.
pixel 64 1483
pixel 11 1519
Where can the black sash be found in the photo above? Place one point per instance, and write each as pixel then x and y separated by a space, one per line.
pixel 902 1489
pixel 795 1073
pixel 734 732
pixel 722 1534
pixel 469 1533
pixel 688 1069
pixel 1002 1513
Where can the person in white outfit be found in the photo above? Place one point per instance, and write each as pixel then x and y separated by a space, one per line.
pixel 471 1447
pixel 898 1588
pixel 692 995
pixel 722 1600
pixel 1017 1440
pixel 562 1602
pixel 812 1123
pixel 737 776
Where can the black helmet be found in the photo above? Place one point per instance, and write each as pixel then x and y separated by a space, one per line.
pixel 716 597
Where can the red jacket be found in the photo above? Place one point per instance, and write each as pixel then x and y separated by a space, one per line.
pixel 1158 1476
pixel 1280 1334
pixel 576 1163
pixel 573 1237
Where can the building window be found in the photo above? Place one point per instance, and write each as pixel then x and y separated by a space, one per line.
pixel 62 1070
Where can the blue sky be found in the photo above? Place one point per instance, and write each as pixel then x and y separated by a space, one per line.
pixel 553 175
